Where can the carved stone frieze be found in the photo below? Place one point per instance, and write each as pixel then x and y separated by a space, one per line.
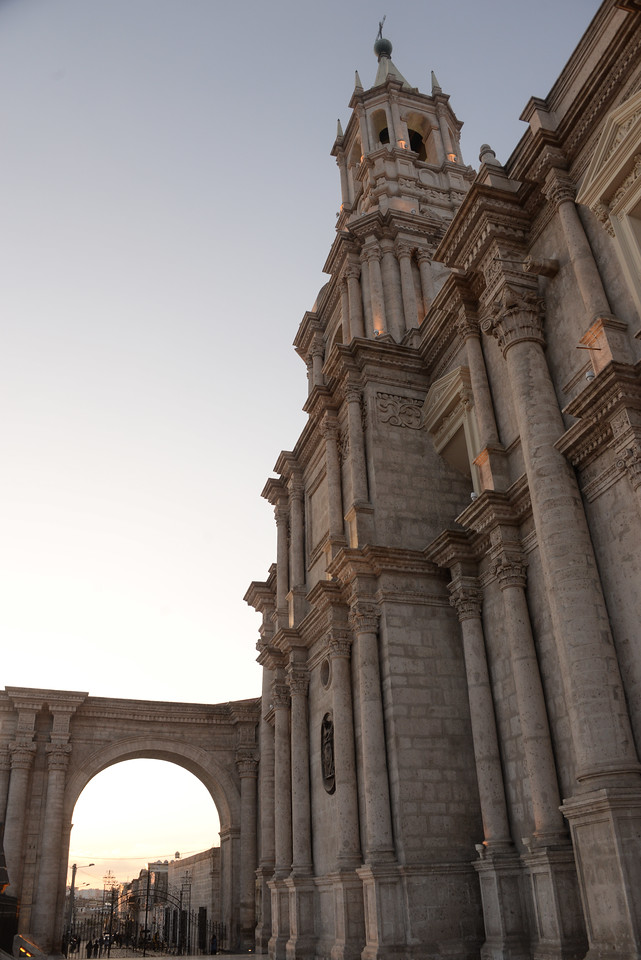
pixel 629 462
pixel 399 411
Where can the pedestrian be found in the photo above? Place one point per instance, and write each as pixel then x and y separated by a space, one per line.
pixel 214 944
pixel 89 949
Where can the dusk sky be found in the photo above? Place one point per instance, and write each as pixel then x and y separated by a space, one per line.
pixel 168 201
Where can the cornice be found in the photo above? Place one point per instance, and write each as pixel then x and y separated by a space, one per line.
pixel 486 215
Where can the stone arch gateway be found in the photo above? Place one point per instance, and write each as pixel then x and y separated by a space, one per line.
pixel 53 742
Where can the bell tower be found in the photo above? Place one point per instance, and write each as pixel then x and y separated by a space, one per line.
pixel 402 180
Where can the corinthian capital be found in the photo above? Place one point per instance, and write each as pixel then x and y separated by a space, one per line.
pixel 516 316
pixel 364 617
pixel 58 755
pixel 22 754
pixel 466 598
pixel 559 188
pixel 510 571
pixel 246 763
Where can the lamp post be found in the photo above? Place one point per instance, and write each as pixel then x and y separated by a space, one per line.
pixel 72 889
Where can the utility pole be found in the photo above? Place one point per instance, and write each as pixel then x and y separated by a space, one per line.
pixel 72 890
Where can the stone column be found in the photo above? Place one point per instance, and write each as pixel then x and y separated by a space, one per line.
pixel 297 528
pixel 392 290
pixel 427 281
pixel 498 867
pixel 318 358
pixel 368 319
pixel 342 169
pixel 357 462
pixel 607 767
pixel 282 822
pixel 345 330
pixel 377 296
pixel 301 810
pixel 44 912
pixel 22 755
pixel 560 189
pixel 379 844
pixel 282 781
pixel 329 430
pixel 300 883
pixel 348 853
pixel 353 276
pixel 5 771
pixel 598 716
pixel 445 132
pixel 362 124
pixel 248 772
pixel 410 308
pixel 267 848
pixel 466 597
pixel 400 134
pixel 535 732
pixel 281 512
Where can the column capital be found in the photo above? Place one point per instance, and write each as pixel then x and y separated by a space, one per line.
pixel 5 759
pixel 353 271
pixel 516 316
pixel 58 755
pixel 466 597
pixel 423 255
pixel 509 570
pixel 353 393
pixel 246 763
pixel 559 187
pixel 280 695
pixel 281 514
pixel 403 249
pixel 329 427
pixel 371 253
pixel 364 617
pixel 340 648
pixel 22 755
pixel 296 487
pixel 298 678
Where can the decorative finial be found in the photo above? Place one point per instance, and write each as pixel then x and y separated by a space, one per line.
pixel 487 155
pixel 358 86
pixel 339 131
pixel 382 47
pixel 436 87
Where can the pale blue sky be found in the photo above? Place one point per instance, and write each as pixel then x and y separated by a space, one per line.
pixel 167 204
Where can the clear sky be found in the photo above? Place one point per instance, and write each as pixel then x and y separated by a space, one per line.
pixel 167 204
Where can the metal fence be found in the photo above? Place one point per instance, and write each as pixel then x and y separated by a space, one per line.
pixel 176 932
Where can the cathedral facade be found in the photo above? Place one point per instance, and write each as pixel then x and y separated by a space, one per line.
pixel 451 710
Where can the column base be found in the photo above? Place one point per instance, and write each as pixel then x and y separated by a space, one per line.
pixel 302 939
pixel 606 833
pixel 349 916
pixel 558 917
pixel 384 912
pixel 263 930
pixel 501 881
pixel 280 919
